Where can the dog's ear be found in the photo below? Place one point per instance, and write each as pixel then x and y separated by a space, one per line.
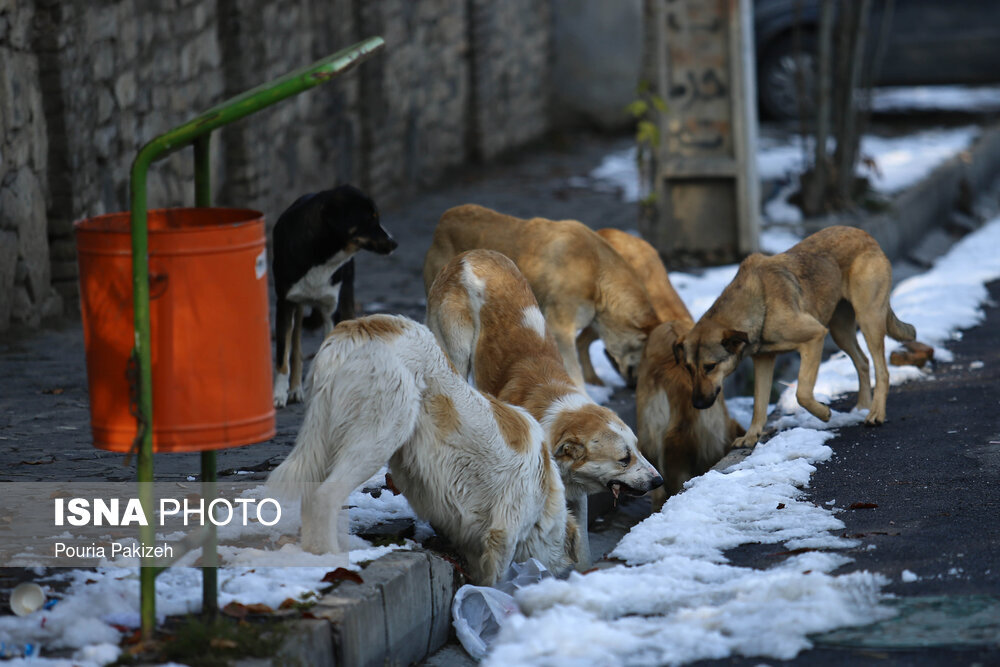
pixel 679 351
pixel 570 449
pixel 734 341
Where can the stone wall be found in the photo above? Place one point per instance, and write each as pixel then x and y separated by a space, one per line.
pixel 25 273
pixel 84 84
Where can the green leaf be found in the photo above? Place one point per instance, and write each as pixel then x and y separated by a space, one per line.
pixel 637 108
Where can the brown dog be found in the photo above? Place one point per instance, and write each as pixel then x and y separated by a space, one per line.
pixel 833 280
pixel 648 267
pixel 486 319
pixel 577 278
pixel 681 440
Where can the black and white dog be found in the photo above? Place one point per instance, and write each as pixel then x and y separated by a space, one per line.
pixel 314 240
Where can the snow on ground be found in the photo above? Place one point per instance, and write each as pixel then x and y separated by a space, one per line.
pixel 677 599
pixel 95 601
pixel 900 162
pixel 937 98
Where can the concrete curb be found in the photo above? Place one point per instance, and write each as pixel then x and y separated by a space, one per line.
pixel 931 202
pixel 398 616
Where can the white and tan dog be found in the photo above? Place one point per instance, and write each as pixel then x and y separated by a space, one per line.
pixel 682 440
pixel 477 468
pixel 484 315
pixel 578 279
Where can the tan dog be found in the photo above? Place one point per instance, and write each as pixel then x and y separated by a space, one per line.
pixel 483 313
pixel 833 280
pixel 683 441
pixel 577 278
pixel 648 267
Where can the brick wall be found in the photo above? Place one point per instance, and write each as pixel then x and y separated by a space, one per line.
pixel 83 85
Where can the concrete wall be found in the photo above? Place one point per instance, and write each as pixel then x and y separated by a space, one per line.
pixel 597 53
pixel 84 84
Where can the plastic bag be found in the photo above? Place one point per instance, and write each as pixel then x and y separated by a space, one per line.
pixel 519 575
pixel 478 612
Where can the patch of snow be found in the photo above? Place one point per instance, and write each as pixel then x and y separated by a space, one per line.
pixel 680 600
pixel 774 240
pixel 937 98
pixel 908 577
pixel 903 161
pixel 621 171
pixel 699 292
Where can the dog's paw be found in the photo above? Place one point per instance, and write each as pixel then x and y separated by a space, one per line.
pixel 280 390
pixel 296 395
pixel 874 418
pixel 823 412
pixel 748 440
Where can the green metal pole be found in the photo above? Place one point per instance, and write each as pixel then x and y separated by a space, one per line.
pixel 142 357
pixel 209 551
pixel 196 131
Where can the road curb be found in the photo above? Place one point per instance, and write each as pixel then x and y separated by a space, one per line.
pixel 931 202
pixel 399 615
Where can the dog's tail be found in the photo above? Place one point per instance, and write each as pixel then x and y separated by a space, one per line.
pixel 898 329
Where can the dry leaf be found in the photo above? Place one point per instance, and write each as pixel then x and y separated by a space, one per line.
pixel 341 574
pixel 222 642
pixel 862 506
pixel 913 353
pixel 38 462
pixel 389 484
pixel 236 610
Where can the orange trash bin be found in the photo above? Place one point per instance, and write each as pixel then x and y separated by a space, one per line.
pixel 211 344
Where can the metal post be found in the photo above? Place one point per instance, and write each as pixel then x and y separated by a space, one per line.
pixel 143 360
pixel 705 185
pixel 209 549
pixel 196 131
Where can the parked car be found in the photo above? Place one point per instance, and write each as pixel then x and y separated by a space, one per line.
pixel 930 42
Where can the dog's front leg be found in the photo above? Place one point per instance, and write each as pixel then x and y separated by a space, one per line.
pixel 564 333
pixel 810 355
pixel 296 392
pixel 763 373
pixel 583 341
pixel 578 506
pixel 283 343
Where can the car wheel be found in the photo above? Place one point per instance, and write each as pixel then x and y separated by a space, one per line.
pixel 786 78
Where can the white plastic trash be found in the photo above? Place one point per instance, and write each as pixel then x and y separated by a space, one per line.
pixel 478 612
pixel 26 598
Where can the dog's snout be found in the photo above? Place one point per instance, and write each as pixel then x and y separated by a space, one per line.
pixel 655 483
pixel 703 401
pixel 384 245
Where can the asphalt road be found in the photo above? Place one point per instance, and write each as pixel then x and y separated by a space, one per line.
pixel 933 472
